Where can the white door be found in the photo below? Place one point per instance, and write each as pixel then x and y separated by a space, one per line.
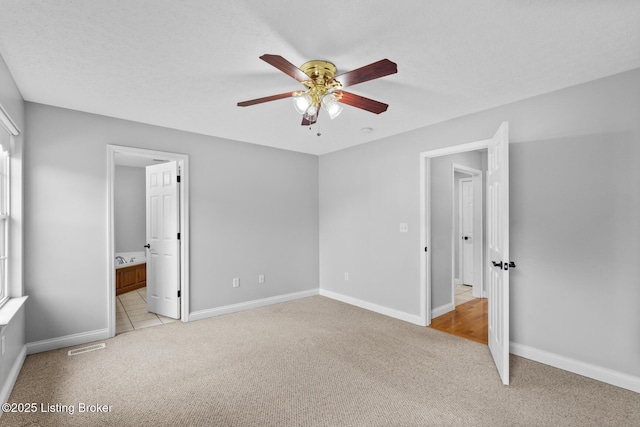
pixel 467 232
pixel 498 243
pixel 163 243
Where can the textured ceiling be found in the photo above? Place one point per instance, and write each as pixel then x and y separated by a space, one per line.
pixel 185 65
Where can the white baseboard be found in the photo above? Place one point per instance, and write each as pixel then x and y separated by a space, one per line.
pixel 233 308
pixel 588 370
pixel 443 309
pixel 7 388
pixel 67 341
pixel 401 315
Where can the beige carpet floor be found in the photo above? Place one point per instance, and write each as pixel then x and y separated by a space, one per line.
pixel 310 362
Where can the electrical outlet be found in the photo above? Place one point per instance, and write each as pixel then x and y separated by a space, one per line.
pixel 236 282
pixel 404 227
pixel 346 276
pixel 261 278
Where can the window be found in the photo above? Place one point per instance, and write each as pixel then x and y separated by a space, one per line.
pixel 4 216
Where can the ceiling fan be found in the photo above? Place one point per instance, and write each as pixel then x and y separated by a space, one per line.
pixel 324 88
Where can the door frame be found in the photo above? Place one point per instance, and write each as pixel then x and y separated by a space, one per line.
pixel 183 164
pixel 459 185
pixel 425 218
pixel 478 237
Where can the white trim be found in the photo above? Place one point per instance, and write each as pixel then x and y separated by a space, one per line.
pixel 10 309
pixel 183 164
pixel 443 309
pixel 12 376
pixel 67 341
pixel 242 306
pixel 609 376
pixel 400 315
pixel 425 219
pixel 425 241
pixel 454 149
pixel 7 123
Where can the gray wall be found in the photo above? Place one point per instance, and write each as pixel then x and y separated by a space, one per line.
pixel 130 218
pixel 442 223
pixel 253 210
pixel 574 218
pixel 575 221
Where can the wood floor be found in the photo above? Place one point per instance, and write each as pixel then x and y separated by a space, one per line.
pixel 469 320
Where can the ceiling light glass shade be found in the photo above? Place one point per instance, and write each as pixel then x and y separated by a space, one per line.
pixel 311 113
pixel 330 105
pixel 302 102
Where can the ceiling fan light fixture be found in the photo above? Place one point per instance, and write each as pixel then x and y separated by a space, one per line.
pixel 311 113
pixel 302 102
pixel 331 106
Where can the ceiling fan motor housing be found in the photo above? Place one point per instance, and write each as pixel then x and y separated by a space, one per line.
pixel 319 70
pixel 321 75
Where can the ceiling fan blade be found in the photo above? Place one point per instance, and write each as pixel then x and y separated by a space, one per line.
pixel 362 102
pixel 285 66
pixel 382 68
pixel 265 99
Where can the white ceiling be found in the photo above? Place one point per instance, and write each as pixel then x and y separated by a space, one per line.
pixel 185 65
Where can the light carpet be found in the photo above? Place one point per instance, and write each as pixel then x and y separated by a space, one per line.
pixel 310 362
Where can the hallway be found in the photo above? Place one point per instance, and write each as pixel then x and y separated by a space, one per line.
pixel 469 320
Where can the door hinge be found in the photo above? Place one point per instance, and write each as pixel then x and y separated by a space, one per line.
pixel 178 236
pixel 178 178
pixel 178 293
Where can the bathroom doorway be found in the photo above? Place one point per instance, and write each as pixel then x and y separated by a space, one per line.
pixel 134 267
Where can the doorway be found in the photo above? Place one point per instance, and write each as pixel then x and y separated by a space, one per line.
pixel 468 317
pixel 134 160
pixel 435 298
pixel 468 227
pixel 456 211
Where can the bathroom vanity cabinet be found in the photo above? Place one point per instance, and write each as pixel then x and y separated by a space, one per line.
pixel 131 278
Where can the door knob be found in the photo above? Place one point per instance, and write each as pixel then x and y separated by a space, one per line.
pixel 504 266
pixel 148 246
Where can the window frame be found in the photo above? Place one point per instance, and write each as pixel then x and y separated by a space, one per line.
pixel 6 140
pixel 5 222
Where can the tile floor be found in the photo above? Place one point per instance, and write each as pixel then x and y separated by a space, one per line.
pixel 464 294
pixel 131 312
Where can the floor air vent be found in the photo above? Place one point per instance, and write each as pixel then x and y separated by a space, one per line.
pixel 87 349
